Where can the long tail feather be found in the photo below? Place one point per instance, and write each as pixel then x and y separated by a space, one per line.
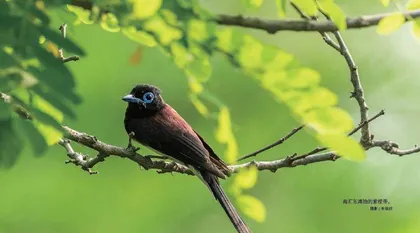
pixel 221 197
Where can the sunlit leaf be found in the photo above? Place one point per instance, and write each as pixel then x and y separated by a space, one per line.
pixel 246 178
pixel 199 68
pixel 180 55
pixel 250 55
pixel 41 39
pixel 335 13
pixel 145 8
pixel 304 78
pixel 252 207
pixel 201 108
pixel 225 135
pixel 164 32
pixel 413 5
pixel 343 145
pixel 136 56
pixel 32 135
pixel 253 4
pixel 329 120
pixel 195 86
pixel 82 14
pixel 139 36
pixel 416 29
pixel 385 3
pixel 281 7
pixel 280 59
pixel 197 30
pixel 390 23
pixel 109 22
pixel 228 39
pixel 307 6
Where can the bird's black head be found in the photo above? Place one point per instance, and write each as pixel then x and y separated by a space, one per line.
pixel 144 99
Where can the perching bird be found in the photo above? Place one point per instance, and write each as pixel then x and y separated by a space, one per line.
pixel 155 124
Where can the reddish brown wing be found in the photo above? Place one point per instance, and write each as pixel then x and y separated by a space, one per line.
pixel 168 133
pixel 214 158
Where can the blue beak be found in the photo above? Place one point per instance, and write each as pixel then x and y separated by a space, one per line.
pixel 131 99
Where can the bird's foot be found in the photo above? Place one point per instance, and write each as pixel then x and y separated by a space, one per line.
pixel 130 146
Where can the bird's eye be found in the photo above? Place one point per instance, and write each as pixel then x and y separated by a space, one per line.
pixel 148 97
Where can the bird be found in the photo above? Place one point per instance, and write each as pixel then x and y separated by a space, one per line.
pixel 153 123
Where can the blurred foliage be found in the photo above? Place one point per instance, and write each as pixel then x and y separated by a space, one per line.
pixel 32 73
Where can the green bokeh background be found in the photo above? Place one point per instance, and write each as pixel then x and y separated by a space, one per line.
pixel 44 195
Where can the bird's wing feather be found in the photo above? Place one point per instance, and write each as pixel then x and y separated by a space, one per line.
pixel 168 133
pixel 214 158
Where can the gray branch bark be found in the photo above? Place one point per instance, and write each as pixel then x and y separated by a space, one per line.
pixel 274 26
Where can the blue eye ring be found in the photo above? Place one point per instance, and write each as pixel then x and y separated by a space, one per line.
pixel 148 97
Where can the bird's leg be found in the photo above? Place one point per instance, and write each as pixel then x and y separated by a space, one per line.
pixel 130 144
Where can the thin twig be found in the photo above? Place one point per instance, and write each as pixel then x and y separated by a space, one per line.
pixel 320 149
pixel 63 29
pixel 283 139
pixel 274 26
pixel 358 92
pixel 325 36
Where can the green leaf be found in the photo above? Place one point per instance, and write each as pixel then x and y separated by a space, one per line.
pixel 246 178
pixel 303 78
pixel 343 145
pixel 225 135
pixel 336 14
pixel 329 120
pixel 229 40
pixel 200 68
pixel 180 54
pixel 32 135
pixel 252 207
pixel 145 8
pixel 413 5
pixel 250 54
pixel 385 3
pixel 164 32
pixel 416 28
pixel 199 105
pixel 82 14
pixel 55 100
pixel 109 22
pixel 10 143
pixel 390 23
pixel 307 6
pixel 48 77
pixel 277 60
pixel 138 36
pixel 65 43
pixel 34 11
pixel 252 4
pixel 281 7
pixel 5 110
pixel 197 30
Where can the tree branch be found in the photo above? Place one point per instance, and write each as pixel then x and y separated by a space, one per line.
pixel 274 26
pixel 295 130
pixel 358 92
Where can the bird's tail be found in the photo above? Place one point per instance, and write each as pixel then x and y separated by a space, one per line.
pixel 221 197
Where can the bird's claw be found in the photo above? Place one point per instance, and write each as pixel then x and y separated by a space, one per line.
pixel 130 146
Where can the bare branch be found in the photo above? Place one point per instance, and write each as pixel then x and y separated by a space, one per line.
pixel 63 29
pixel 324 35
pixel 358 92
pixel 274 26
pixel 295 130
pixel 393 148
